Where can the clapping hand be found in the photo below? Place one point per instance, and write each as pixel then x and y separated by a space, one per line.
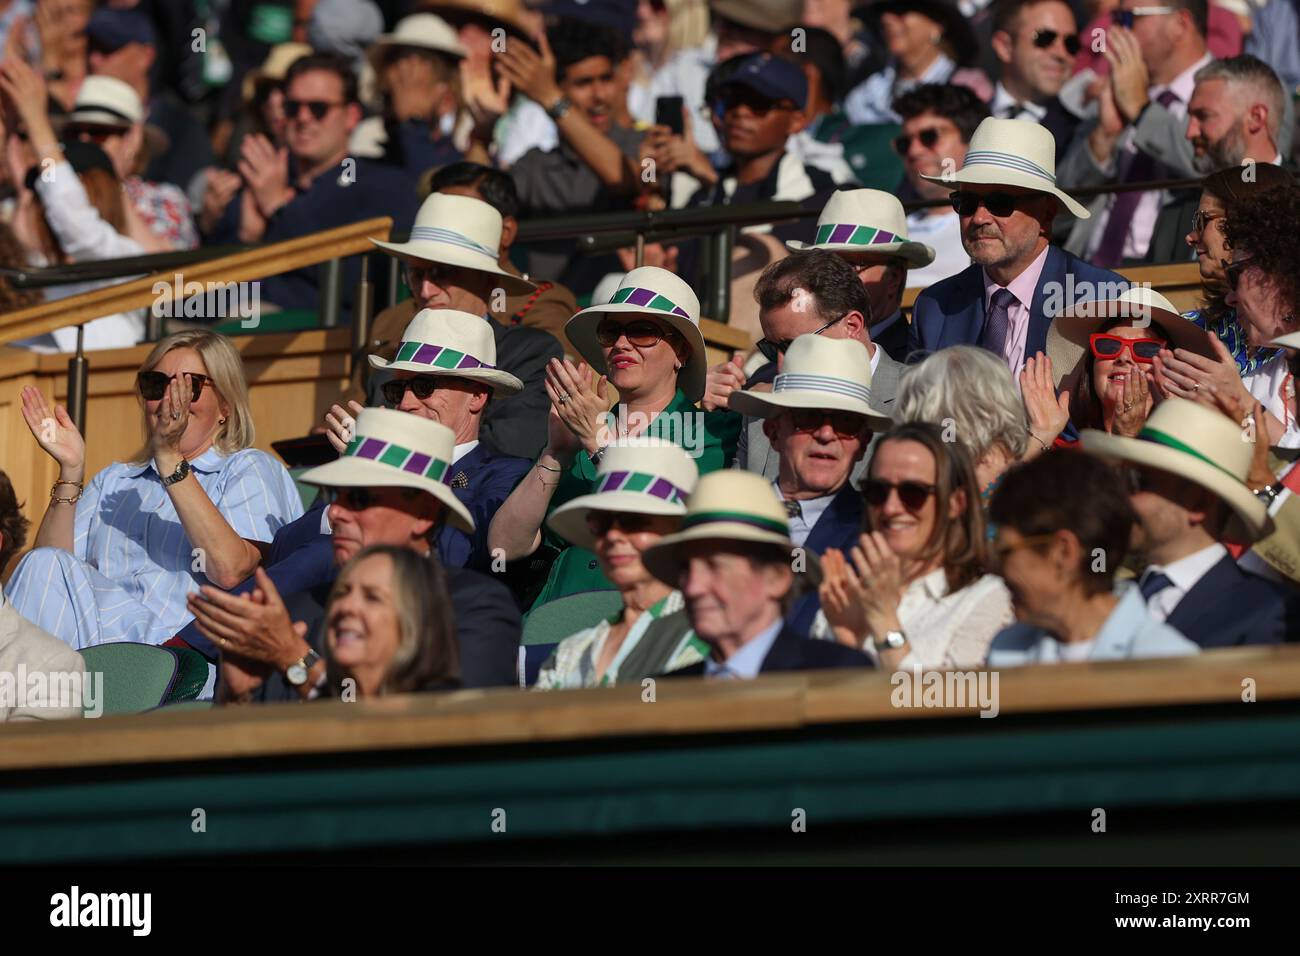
pixel 1048 412
pixel 721 381
pixel 55 433
pixel 1131 407
pixel 579 398
pixel 265 170
pixel 169 420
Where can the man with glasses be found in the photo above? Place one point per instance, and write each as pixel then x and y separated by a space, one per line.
pixel 1154 52
pixel 1035 42
pixel 313 184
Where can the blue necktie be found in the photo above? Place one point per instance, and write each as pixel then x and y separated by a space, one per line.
pixel 1152 583
pixel 997 324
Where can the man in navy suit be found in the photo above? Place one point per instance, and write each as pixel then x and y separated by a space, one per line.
pixel 1006 197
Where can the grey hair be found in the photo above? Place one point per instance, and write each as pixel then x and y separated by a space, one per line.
pixel 970 390
pixel 1251 70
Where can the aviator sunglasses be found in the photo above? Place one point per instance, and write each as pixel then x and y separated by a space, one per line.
pixel 153 385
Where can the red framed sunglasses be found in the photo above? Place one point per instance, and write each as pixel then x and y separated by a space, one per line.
pixel 1107 346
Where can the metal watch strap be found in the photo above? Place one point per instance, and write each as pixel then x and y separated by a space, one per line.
pixel 182 470
pixel 557 109
pixel 1268 494
pixel 891 640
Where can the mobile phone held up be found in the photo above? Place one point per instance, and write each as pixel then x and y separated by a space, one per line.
pixel 668 112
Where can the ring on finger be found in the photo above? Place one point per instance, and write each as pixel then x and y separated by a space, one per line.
pixel 564 398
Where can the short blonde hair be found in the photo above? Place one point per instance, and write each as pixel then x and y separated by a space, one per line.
pixel 225 368
pixel 970 389
pixel 688 24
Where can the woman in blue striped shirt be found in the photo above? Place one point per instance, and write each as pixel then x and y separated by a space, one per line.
pixel 114 560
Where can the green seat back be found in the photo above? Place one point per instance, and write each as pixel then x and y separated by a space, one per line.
pixel 286 320
pixel 553 621
pixel 869 151
pixel 140 677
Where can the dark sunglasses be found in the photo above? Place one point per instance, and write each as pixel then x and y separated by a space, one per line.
pixel 1045 39
pixel 93 134
pixel 599 522
pixel 318 108
pixel 421 385
pixel 928 138
pixel 1233 271
pixel 771 349
pixel 755 102
pixel 153 385
pixel 846 424
pixel 913 494
pixel 361 498
pixel 1000 205
pixel 1106 346
pixel 642 333
pixel 1201 219
pixel 437 273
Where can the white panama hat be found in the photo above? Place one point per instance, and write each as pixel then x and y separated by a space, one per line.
pixel 645 476
pixel 447 342
pixel 458 231
pixel 393 449
pixel 866 221
pixel 424 31
pixel 818 372
pixel 1009 152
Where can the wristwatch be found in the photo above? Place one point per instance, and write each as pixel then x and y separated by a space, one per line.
pixel 301 668
pixel 1268 494
pixel 557 109
pixel 597 455
pixel 182 470
pixel 891 640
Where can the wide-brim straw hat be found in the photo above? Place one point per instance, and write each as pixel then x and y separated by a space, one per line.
pixel 767 16
pixel 656 293
pixel 644 476
pixel 108 102
pixel 1067 336
pixel 275 67
pixel 448 342
pixel 509 14
pixel 422 31
pixel 866 221
pixel 393 449
pixel 458 231
pixel 729 506
pixel 1201 445
pixel 1289 341
pixel 1011 152
pixel 818 372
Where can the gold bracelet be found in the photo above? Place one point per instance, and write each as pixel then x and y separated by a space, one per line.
pixel 67 501
pixel 1040 441
pixel 549 468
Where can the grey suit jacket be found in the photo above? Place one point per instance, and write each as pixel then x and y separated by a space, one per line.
pixel 22 642
pixel 754 452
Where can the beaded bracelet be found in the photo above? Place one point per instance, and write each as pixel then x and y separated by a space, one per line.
pixel 67 501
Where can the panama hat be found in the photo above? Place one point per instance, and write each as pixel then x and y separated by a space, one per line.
pixel 393 449
pixel 509 14
pixel 659 294
pixel 447 342
pixel 730 505
pixel 1067 336
pixel 107 101
pixel 766 16
pixel 457 231
pixel 1199 444
pixel 424 31
pixel 645 476
pixel 1010 152
pixel 274 68
pixel 818 373
pixel 866 220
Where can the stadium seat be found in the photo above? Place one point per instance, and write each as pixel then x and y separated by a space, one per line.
pixel 553 621
pixel 140 677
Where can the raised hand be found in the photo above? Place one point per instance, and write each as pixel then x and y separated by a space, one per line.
pixel 882 572
pixel 169 420
pixel 1131 410
pixel 578 399
pixel 532 72
pixel 340 426
pixel 721 381
pixel 413 90
pixel 1048 412
pixel 842 598
pixel 55 433
pixel 265 170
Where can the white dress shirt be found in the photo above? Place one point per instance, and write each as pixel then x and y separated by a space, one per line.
pixel 748 659
pixel 1003 102
pixel 942 233
pixel 1183 575
pixel 463 449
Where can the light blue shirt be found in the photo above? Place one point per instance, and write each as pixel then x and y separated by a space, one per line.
pixel 871 101
pixel 748 661
pixel 1129 632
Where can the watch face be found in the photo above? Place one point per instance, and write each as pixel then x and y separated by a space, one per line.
pixel 297 675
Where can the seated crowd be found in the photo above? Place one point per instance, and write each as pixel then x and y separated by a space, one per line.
pixel 1036 462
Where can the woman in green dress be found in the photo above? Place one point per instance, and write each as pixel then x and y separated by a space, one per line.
pixel 645 343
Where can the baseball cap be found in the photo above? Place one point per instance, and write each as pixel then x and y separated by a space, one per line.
pixel 772 77
pixel 110 30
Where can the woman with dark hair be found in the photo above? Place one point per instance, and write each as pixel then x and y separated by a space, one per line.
pixel 1056 516
pixel 913 593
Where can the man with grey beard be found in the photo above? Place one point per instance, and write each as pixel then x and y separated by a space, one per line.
pixel 1235 114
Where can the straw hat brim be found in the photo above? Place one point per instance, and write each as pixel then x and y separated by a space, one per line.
pixel 421 250
pixel 1289 341
pixel 980 175
pixel 1251 520
pixel 662 560
pixel 503 383
pixel 390 41
pixel 569 520
pixel 581 331
pixel 771 404
pixel 1067 335
pixel 917 255
pixel 351 472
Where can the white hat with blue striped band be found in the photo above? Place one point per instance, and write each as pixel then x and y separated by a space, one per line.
pixel 818 372
pixel 1009 152
pixel 458 231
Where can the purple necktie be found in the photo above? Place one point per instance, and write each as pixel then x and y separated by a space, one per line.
pixel 997 324
pixel 1143 168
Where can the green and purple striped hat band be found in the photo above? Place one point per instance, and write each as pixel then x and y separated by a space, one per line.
pixel 654 485
pixel 648 299
pixel 395 456
pixel 849 234
pixel 438 356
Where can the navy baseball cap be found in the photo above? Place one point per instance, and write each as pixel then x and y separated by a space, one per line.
pixel 110 30
pixel 618 15
pixel 771 76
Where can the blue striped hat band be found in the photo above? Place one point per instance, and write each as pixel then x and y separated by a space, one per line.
pixel 802 382
pixel 988 157
pixel 451 238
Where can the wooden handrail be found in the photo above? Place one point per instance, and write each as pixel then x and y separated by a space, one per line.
pixel 247 266
pixel 681 706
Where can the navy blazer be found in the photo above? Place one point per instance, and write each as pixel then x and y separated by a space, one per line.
pixel 951 312
pixel 794 652
pixel 838 527
pixel 1229 607
pixel 489 479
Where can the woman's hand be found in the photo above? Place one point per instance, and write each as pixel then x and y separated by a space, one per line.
pixel 487 99
pixel 1184 374
pixel 255 626
pixel 170 419
pixel 341 427
pixel 1131 412
pixel 1048 412
pixel 578 400
pixel 843 600
pixel 56 434
pixel 882 572
pixel 25 90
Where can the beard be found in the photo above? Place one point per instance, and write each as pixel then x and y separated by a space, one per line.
pixel 1230 150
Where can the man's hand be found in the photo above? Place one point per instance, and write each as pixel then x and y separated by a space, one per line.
pixel 265 170
pixel 530 71
pixel 414 92
pixel 1110 124
pixel 255 626
pixel 1128 71
pixel 221 187
pixel 672 153
pixel 721 381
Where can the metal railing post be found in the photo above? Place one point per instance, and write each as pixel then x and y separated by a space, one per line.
pixel 640 248
pixel 719 299
pixel 361 307
pixel 394 279
pixel 331 293
pixel 78 382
